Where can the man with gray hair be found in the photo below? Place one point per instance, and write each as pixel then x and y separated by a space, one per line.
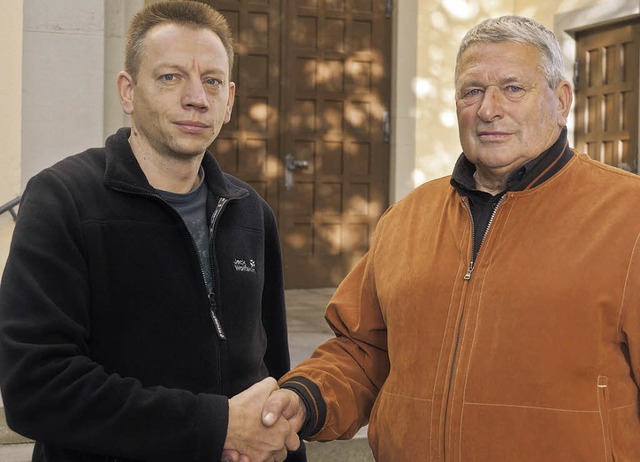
pixel 495 316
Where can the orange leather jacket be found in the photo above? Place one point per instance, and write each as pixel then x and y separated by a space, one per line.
pixel 533 357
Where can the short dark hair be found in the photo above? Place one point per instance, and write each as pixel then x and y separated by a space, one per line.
pixel 195 15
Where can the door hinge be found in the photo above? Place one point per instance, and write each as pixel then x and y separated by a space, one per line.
pixel 388 8
pixel 576 74
pixel 386 127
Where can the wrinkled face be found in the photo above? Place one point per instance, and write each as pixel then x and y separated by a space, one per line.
pixel 507 114
pixel 182 95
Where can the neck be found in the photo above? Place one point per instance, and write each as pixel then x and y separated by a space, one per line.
pixel 491 184
pixel 168 173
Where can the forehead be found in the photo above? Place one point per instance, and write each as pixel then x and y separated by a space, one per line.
pixel 177 44
pixel 499 60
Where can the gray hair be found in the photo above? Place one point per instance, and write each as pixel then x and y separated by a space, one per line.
pixel 523 30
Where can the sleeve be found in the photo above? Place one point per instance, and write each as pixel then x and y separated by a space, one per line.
pixel 53 391
pixel 341 380
pixel 274 318
pixel 629 318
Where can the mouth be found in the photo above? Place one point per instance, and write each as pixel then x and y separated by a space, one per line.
pixel 191 126
pixel 493 135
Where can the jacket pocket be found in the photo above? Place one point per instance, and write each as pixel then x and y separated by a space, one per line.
pixel 603 408
pixel 399 428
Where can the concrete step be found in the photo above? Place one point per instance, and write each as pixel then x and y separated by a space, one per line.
pixel 16 452
pixel 13 447
pixel 7 436
pixel 16 448
pixel 354 450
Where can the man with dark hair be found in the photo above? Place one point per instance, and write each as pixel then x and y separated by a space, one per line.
pixel 128 329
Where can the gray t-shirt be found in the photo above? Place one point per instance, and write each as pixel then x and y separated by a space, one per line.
pixel 192 207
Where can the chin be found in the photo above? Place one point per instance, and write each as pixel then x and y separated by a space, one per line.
pixel 186 150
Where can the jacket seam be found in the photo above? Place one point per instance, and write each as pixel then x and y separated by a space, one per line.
pixel 539 408
pixel 549 182
pixel 624 288
pixel 512 200
pixel 461 267
pixel 399 395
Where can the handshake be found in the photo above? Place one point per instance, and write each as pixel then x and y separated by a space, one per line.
pixel 263 424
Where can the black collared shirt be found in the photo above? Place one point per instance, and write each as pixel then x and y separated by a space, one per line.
pixel 529 175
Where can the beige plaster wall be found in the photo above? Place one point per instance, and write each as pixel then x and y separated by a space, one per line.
pixel 10 113
pixel 441 25
pixel 63 74
pixel 117 14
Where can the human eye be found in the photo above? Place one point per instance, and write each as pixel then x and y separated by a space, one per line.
pixel 167 77
pixel 514 91
pixel 471 94
pixel 213 82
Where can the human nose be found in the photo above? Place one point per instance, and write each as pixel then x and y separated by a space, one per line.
pixel 195 95
pixel 491 104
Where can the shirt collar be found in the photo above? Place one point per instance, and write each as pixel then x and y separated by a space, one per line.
pixel 531 173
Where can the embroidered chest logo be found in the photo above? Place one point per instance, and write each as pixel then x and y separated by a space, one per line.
pixel 241 265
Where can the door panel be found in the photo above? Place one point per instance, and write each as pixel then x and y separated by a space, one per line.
pixel 607 94
pixel 335 97
pixel 248 146
pixel 313 85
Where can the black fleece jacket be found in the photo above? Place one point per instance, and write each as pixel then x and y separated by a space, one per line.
pixel 108 346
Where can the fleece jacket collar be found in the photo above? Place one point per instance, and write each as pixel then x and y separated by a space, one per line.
pixel 124 173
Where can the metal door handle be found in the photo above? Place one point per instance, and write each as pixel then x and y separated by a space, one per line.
pixel 295 164
pixel 291 164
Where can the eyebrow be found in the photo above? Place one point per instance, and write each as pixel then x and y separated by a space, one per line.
pixel 477 83
pixel 167 65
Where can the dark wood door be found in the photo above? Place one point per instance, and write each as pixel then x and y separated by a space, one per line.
pixel 606 89
pixel 313 89
pixel 249 145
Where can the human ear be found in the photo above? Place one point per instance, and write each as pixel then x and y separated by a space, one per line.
pixel 232 94
pixel 564 95
pixel 125 85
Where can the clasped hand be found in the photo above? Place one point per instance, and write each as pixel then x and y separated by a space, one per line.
pixel 263 424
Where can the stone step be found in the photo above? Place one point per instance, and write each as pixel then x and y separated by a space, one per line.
pixel 355 450
pixel 16 448
pixel 16 452
pixel 7 436
pixel 13 447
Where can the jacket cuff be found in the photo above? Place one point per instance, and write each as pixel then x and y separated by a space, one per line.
pixel 313 402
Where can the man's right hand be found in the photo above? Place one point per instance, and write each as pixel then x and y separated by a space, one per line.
pixel 284 403
pixel 246 433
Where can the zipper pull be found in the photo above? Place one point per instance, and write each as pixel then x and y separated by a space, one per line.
pixel 469 271
pixel 214 318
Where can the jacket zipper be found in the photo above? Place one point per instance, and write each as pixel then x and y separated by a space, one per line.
pixel 467 277
pixel 213 307
pixel 213 224
pixel 210 294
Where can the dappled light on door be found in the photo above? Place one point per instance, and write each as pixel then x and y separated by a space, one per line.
pixel 314 90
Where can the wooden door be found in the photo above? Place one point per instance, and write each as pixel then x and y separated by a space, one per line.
pixel 313 89
pixel 606 87
pixel 335 97
pixel 248 146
